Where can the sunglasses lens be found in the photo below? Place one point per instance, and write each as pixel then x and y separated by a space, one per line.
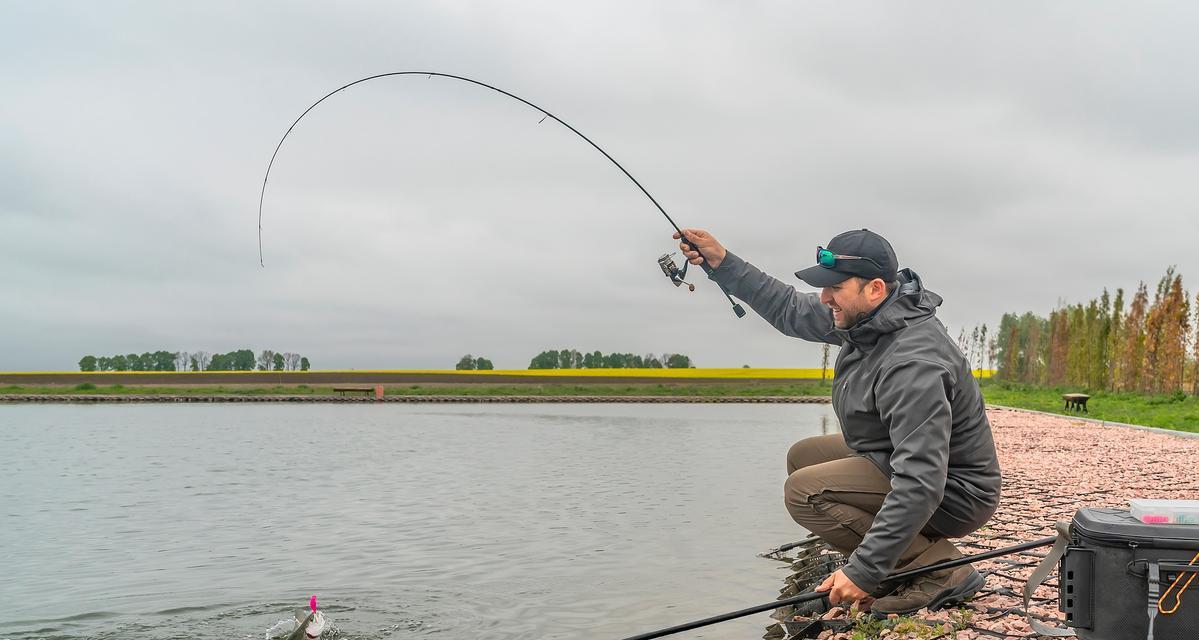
pixel 826 258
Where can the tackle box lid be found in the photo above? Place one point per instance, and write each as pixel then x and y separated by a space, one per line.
pixel 1117 527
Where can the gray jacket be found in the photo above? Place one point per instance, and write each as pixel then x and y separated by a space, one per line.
pixel 906 400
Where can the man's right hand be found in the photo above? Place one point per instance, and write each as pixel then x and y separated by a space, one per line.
pixel 711 249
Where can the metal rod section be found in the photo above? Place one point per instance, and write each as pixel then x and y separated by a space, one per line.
pixel 948 564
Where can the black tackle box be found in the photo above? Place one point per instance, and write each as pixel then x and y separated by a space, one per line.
pixel 1116 570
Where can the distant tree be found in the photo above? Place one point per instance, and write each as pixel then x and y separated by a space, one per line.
pixel 104 363
pixel 293 361
pixel 545 360
pixel 120 363
pixel 162 361
pixel 465 363
pixel 744 366
pixel 1132 351
pixel 304 364
pixel 652 362
pixel 243 360
pixel 265 359
pixel 972 352
pixel 182 360
pixel 678 361
pixel 824 362
pixel 982 349
pixel 483 364
pixel 195 364
pixel 87 363
pixel 219 362
pixel 277 362
pixel 201 358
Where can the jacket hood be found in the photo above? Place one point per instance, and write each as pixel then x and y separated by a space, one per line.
pixel 909 304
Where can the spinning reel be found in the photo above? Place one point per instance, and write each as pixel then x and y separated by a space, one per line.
pixel 677 275
pixel 673 272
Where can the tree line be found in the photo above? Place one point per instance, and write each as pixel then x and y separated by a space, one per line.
pixel 471 363
pixel 1150 346
pixel 239 360
pixel 573 359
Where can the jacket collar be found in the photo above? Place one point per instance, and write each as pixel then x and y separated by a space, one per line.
pixel 909 304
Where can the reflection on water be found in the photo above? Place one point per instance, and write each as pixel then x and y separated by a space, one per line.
pixel 489 521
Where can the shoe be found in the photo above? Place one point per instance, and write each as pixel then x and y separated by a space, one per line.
pixel 933 590
pixel 886 588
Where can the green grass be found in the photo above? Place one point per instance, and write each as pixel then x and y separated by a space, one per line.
pixel 867 627
pixel 1176 411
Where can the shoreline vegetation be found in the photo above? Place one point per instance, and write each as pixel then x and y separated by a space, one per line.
pixel 1177 411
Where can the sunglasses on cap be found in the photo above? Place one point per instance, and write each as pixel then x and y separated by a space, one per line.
pixel 828 259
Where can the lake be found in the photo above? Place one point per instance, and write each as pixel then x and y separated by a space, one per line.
pixel 455 521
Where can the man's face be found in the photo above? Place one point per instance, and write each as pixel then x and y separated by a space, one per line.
pixel 850 301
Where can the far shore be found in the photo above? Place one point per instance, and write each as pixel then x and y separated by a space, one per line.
pixel 1178 412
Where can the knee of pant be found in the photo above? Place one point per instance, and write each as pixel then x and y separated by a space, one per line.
pixel 798 490
pixel 802 454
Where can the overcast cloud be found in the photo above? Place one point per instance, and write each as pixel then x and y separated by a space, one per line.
pixel 1017 154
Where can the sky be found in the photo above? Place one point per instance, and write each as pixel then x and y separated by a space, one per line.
pixel 1018 155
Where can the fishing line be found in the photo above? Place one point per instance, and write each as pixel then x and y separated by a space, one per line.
pixel 679 274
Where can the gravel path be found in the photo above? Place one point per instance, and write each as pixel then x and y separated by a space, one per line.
pixel 1052 466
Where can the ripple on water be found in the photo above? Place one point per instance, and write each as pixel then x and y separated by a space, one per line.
pixel 534 521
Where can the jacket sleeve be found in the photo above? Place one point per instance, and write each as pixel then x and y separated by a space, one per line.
pixel 913 401
pixel 799 315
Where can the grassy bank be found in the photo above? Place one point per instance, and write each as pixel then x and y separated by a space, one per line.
pixel 1179 412
pixel 707 389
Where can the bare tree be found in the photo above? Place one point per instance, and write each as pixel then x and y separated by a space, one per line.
pixel 181 360
pixel 264 360
pixel 823 362
pixel 293 361
pixel 202 359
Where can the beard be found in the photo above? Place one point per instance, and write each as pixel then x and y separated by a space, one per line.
pixel 850 319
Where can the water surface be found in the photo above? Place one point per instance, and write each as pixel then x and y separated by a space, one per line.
pixel 454 521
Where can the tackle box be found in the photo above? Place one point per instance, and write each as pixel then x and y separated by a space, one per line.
pixel 1117 570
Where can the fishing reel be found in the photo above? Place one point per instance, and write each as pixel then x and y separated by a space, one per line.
pixel 673 272
pixel 677 275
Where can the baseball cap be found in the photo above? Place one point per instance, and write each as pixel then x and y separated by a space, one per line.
pixel 877 260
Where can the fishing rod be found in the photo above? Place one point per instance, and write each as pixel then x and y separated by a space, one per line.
pixel 666 261
pixel 816 595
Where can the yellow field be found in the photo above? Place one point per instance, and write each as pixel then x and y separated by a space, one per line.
pixel 699 373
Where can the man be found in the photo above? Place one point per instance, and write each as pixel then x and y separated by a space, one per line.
pixel 915 463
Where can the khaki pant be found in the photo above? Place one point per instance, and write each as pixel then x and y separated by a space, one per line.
pixel 835 494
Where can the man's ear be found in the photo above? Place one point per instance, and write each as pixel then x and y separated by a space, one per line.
pixel 878 288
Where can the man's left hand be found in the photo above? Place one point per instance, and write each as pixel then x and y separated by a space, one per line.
pixel 841 589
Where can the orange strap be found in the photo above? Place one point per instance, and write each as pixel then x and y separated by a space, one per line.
pixel 1177 596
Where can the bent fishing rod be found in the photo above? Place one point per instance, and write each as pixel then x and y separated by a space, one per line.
pixel 666 262
pixel 816 595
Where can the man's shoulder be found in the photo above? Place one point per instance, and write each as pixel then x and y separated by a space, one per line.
pixel 924 341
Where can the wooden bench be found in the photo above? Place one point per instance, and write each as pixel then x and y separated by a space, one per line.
pixel 366 391
pixel 1078 401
